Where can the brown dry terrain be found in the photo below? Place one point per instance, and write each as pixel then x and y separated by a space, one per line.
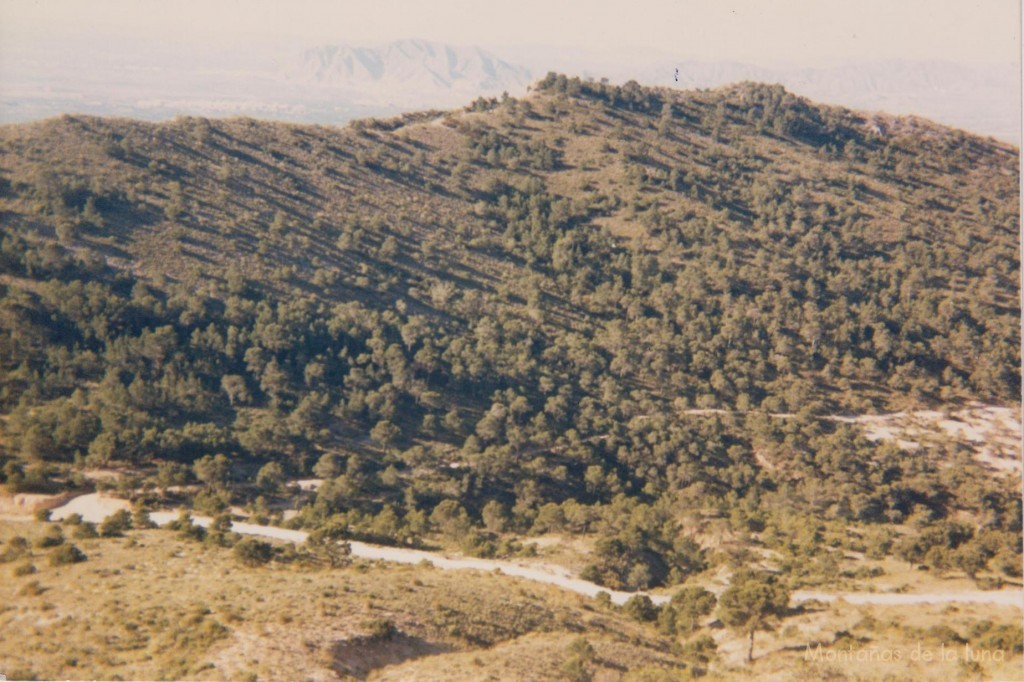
pixel 154 606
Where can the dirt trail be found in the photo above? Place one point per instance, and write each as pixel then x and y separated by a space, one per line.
pixel 95 508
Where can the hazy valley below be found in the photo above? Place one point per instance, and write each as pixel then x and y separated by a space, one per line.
pixel 335 83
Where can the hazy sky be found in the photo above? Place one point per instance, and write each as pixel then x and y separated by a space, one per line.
pixel 756 31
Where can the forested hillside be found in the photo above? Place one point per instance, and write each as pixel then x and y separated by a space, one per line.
pixel 512 316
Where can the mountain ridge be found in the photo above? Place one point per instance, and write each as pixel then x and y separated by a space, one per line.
pixel 411 64
pixel 549 310
pixel 277 84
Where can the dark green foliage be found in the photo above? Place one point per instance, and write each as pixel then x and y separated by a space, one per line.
pixel 26 568
pixel 381 629
pixel 116 524
pixel 170 474
pixel 642 546
pixel 140 518
pixel 327 551
pixel 1009 638
pixel 700 650
pixel 17 547
pixel 85 531
pixel 219 531
pixel 51 537
pixel 490 325
pixel 753 601
pixel 66 554
pixel 252 552
pixel 951 545
pixel 575 669
pixel 451 519
pixel 186 527
pixel 685 613
pixel 213 470
pixel 270 478
pixel 211 502
pixel 640 607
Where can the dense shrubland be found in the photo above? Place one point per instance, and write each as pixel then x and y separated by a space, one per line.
pixel 503 323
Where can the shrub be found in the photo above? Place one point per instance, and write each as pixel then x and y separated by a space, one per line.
pixel 700 650
pixel 116 524
pixel 270 478
pixel 17 544
pixel 689 605
pixel 211 502
pixel 582 648
pixel 31 589
pixel 66 554
pixel 381 629
pixel 26 568
pixel 54 536
pixel 641 608
pixel 140 518
pixel 1009 638
pixel 943 634
pixel 575 669
pixel 186 528
pixel 1008 563
pixel 219 531
pixel 252 552
pixel 17 547
pixel 85 531
pixel 475 543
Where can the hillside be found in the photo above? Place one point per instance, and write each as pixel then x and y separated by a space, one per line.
pixel 617 311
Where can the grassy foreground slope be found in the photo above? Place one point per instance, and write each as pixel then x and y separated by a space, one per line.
pixel 503 319
pixel 155 605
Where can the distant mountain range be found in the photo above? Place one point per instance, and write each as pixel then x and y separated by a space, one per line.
pixel 335 83
pixel 409 69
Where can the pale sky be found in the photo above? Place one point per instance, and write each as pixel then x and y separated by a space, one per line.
pixel 755 31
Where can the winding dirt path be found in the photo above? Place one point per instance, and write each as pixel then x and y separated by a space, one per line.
pixel 94 508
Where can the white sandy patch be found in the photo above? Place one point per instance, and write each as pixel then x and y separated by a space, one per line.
pixel 93 507
pixel 992 433
pixel 311 484
pixel 26 504
pixel 545 541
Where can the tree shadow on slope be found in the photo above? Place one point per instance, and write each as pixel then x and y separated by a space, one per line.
pixel 356 657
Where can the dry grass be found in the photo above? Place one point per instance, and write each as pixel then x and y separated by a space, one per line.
pixel 152 606
pixel 859 636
